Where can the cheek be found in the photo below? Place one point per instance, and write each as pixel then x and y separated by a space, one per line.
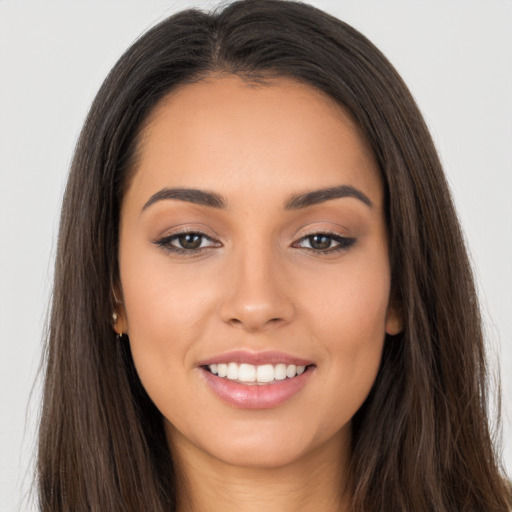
pixel 351 305
pixel 162 300
pixel 349 324
pixel 165 309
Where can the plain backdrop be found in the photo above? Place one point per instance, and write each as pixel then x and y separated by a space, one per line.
pixel 456 56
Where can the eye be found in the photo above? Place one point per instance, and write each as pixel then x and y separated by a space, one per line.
pixel 325 242
pixel 187 242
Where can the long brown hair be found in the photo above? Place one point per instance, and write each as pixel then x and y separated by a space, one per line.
pixel 421 440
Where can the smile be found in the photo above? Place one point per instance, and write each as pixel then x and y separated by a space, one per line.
pixel 248 380
pixel 250 374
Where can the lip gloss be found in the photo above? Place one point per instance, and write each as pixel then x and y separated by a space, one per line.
pixel 253 395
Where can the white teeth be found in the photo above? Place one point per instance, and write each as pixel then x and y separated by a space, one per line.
pixel 280 372
pixel 232 371
pixel 247 373
pixel 258 374
pixel 265 373
pixel 291 371
pixel 222 369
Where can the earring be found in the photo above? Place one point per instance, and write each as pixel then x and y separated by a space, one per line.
pixel 119 335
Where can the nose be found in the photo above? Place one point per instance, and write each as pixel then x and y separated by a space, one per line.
pixel 256 297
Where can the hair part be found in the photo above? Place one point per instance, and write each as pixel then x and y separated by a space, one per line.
pixel 421 440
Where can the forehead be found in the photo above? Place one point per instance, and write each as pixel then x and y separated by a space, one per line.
pixel 226 134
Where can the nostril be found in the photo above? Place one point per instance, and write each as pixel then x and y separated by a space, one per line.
pixel 256 312
pixel 254 322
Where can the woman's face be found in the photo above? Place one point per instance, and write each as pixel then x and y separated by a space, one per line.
pixel 253 242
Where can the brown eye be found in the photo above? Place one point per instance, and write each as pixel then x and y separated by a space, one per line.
pixel 320 242
pixel 187 243
pixel 325 243
pixel 190 241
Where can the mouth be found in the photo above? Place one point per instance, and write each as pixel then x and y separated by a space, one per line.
pixel 260 375
pixel 256 381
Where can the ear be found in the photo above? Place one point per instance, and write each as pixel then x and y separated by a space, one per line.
pixel 119 319
pixel 394 319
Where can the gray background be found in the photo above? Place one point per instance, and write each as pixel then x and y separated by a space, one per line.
pixel 456 56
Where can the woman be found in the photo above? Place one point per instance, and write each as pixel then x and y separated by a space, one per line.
pixel 255 305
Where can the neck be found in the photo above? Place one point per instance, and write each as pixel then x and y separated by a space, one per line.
pixel 314 483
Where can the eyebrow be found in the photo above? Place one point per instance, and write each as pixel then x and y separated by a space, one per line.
pixel 326 194
pixel 190 195
pixel 213 200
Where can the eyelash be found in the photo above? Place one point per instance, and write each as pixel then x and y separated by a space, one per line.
pixel 166 243
pixel 344 242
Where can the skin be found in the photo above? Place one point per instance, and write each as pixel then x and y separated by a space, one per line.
pixel 257 284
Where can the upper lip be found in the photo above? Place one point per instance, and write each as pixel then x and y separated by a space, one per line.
pixel 255 358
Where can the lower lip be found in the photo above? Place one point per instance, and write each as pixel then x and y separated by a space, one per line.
pixel 264 396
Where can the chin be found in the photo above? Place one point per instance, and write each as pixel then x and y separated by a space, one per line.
pixel 261 445
pixel 261 455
